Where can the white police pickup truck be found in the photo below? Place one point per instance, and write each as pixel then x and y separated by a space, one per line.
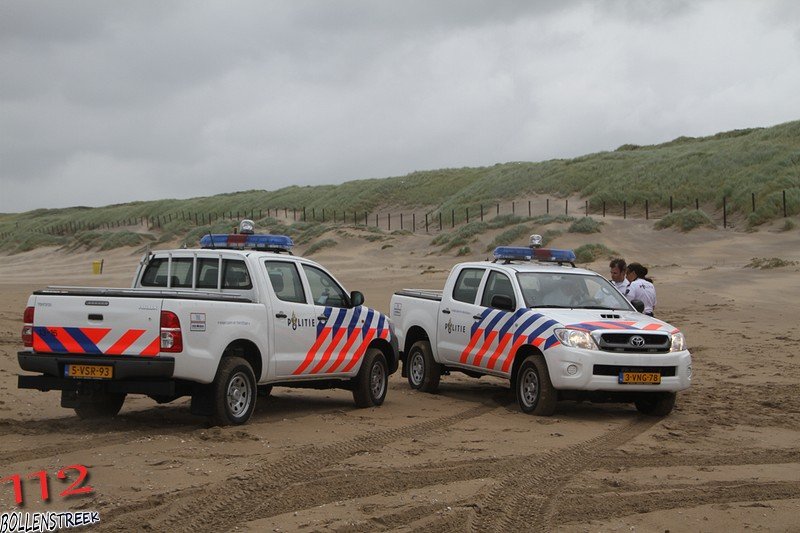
pixel 220 324
pixel 555 331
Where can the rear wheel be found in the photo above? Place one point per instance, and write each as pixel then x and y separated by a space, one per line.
pixel 372 380
pixel 534 391
pixel 423 372
pixel 233 392
pixel 656 403
pixel 99 404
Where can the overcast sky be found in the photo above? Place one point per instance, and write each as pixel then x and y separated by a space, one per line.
pixel 108 102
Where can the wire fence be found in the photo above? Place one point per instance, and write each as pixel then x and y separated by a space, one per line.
pixel 428 222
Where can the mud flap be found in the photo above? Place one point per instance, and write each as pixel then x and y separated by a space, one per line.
pixel 202 401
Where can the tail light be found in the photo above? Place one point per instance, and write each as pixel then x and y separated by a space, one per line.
pixel 27 327
pixel 171 336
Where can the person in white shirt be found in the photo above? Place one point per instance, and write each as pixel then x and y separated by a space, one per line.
pixel 618 280
pixel 640 287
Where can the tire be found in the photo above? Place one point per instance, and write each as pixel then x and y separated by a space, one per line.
pixel 372 380
pixel 534 390
pixel 423 372
pixel 233 393
pixel 264 391
pixel 99 405
pixel 656 403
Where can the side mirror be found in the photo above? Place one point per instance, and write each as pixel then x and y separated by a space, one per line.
pixel 356 299
pixel 638 305
pixel 501 301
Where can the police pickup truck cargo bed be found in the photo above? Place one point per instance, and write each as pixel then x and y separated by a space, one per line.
pixel 217 323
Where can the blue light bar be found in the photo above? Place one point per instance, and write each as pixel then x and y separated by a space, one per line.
pixel 513 253
pixel 242 241
pixel 553 255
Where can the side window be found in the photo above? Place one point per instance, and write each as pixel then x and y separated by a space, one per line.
pixel 155 275
pixel 497 284
pixel 207 273
pixel 235 275
pixel 466 287
pixel 324 289
pixel 285 281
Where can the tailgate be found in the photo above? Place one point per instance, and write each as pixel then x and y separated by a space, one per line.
pixel 96 325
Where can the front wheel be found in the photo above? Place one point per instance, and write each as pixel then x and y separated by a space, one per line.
pixel 99 405
pixel 534 390
pixel 372 380
pixel 423 372
pixel 233 392
pixel 656 403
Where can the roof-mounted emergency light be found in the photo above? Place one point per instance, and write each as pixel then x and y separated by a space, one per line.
pixel 512 253
pixel 523 253
pixel 241 241
pixel 246 226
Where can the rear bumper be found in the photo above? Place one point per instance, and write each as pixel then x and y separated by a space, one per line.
pixel 141 375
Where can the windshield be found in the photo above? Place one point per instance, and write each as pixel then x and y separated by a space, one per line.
pixel 556 289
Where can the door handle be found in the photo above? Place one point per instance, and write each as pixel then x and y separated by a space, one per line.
pixel 322 318
pixel 477 317
pixel 446 311
pixel 95 317
pixel 280 315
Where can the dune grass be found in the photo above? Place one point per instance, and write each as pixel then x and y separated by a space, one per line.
pixel 685 220
pixel 589 253
pixel 734 164
pixel 764 263
pixel 585 225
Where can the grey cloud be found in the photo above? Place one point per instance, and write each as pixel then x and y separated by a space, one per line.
pixel 195 98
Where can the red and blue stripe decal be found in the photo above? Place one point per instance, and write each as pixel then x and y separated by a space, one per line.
pixel 492 340
pixel 343 340
pixel 93 341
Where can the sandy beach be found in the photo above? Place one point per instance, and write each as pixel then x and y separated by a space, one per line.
pixel 465 459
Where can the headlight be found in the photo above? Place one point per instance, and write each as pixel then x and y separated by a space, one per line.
pixel 575 338
pixel 678 342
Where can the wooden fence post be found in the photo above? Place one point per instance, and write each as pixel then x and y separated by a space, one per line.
pixel 724 213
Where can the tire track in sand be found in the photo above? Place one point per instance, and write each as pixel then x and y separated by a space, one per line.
pixel 606 505
pixel 70 434
pixel 250 496
pixel 524 498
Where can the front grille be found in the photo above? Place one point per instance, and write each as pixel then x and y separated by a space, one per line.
pixel 621 342
pixel 614 370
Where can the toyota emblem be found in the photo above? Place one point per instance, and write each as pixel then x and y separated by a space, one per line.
pixel 637 340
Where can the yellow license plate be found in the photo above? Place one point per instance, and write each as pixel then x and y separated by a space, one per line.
pixel 89 371
pixel 640 378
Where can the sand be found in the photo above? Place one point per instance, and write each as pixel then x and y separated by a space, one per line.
pixel 727 458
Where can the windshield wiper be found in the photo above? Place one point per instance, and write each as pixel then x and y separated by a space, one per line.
pixel 552 307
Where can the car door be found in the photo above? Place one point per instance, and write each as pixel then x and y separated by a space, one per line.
pixel 493 327
pixel 497 325
pixel 295 322
pixel 456 322
pixel 342 339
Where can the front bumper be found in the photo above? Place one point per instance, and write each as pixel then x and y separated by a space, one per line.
pixel 141 375
pixel 595 370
